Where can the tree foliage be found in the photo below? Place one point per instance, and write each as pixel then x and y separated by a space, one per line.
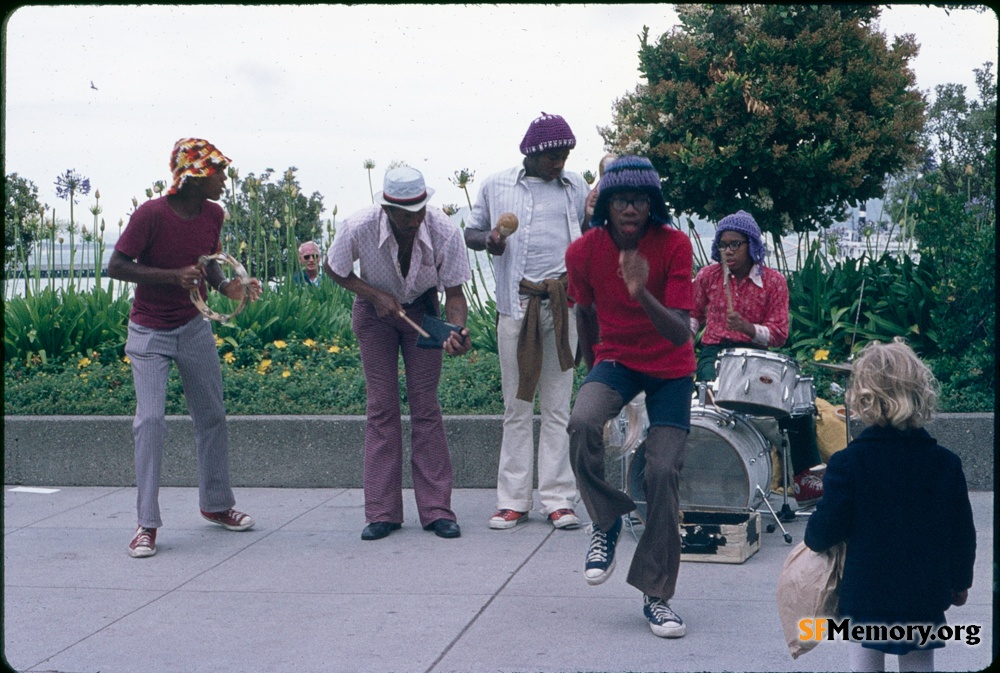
pixel 791 112
pixel 268 220
pixel 22 215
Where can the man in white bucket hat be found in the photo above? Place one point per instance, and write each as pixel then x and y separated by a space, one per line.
pixel 407 251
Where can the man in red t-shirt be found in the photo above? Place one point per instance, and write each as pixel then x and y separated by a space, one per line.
pixel 630 276
pixel 159 251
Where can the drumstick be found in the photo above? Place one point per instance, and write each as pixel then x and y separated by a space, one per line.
pixel 729 293
pixel 420 330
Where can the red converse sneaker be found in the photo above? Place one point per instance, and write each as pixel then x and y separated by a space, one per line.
pixel 143 543
pixel 507 518
pixel 807 487
pixel 230 519
pixel 565 518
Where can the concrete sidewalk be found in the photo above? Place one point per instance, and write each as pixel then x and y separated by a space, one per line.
pixel 302 593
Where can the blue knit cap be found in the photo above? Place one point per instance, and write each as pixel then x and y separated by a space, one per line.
pixel 630 173
pixel 743 223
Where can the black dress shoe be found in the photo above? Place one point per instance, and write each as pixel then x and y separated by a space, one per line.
pixel 377 530
pixel 444 528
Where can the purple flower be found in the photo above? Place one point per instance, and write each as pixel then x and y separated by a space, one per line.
pixel 70 184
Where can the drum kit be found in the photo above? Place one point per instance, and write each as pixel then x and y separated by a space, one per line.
pixel 734 422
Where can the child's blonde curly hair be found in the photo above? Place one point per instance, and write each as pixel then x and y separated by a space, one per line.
pixel 891 386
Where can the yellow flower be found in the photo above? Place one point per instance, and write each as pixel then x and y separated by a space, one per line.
pixel 229 358
pixel 127 360
pixel 309 343
pixel 84 362
pixel 821 354
pixel 263 367
pixel 333 349
pixel 218 341
pixel 285 374
pixel 280 344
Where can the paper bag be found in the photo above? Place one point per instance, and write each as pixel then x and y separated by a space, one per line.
pixel 808 588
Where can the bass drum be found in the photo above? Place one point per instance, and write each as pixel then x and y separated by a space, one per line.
pixel 726 459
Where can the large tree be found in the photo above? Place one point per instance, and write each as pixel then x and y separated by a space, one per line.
pixel 791 112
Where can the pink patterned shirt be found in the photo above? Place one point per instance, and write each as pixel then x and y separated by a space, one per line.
pixel 439 258
pixel 761 298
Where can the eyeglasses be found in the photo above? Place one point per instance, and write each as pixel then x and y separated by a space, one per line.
pixel 310 256
pixel 732 245
pixel 619 204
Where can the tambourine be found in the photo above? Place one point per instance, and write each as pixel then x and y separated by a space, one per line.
pixel 240 274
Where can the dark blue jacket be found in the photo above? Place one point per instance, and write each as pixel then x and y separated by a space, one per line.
pixel 901 502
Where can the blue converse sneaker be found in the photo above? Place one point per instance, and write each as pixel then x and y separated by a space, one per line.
pixel 601 555
pixel 663 621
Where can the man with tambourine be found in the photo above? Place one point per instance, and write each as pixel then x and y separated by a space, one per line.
pixel 171 251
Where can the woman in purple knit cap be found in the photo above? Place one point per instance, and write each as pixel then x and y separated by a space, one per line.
pixel 744 304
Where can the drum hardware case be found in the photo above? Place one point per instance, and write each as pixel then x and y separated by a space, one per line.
pixel 719 536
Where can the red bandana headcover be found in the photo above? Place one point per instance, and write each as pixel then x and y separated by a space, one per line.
pixel 194 158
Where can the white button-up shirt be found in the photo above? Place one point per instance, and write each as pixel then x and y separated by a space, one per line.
pixel 507 192
pixel 439 258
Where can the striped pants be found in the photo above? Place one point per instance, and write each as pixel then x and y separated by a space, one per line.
pixel 380 341
pixel 192 348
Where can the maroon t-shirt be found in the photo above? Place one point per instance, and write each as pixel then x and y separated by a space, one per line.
pixel 157 237
pixel 627 334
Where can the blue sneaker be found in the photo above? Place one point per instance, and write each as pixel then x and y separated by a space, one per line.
pixel 601 555
pixel 663 621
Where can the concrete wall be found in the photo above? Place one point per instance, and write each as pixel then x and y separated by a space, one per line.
pixel 321 451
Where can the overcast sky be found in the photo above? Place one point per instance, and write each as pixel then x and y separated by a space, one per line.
pixel 324 88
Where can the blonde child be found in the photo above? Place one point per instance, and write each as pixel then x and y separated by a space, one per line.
pixel 901 503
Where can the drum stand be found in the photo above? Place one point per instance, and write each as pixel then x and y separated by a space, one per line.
pixel 786 512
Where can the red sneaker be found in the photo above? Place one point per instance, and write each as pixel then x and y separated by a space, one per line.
pixel 143 543
pixel 807 487
pixel 507 518
pixel 564 518
pixel 230 519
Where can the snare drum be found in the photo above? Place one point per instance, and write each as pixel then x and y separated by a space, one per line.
pixel 804 397
pixel 725 461
pixel 756 382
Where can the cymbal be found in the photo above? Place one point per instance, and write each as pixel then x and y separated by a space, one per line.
pixel 843 367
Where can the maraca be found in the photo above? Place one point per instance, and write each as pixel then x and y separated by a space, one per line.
pixel 507 224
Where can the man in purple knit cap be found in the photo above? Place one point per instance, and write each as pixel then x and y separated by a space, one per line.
pixel 536 338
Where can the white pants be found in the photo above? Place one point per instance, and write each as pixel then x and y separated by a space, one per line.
pixel 867 659
pixel 556 483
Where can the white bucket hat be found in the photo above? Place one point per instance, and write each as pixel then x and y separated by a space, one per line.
pixel 404 188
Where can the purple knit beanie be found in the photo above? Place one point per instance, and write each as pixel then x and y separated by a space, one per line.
pixel 629 173
pixel 546 133
pixel 741 222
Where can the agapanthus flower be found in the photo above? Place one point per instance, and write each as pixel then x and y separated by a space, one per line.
pixel 70 184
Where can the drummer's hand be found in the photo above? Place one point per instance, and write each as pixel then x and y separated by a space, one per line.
pixel 458 343
pixel 736 323
pixel 190 277
pixel 635 271
pixel 959 597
